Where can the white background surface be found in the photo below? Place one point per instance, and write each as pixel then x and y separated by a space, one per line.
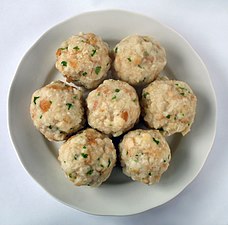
pixel 204 24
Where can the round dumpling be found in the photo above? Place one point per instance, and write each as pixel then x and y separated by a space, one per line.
pixel 57 110
pixel 139 59
pixel 113 107
pixel 88 158
pixel 169 105
pixel 84 60
pixel 145 155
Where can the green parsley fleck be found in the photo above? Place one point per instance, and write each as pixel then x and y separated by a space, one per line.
pixel 90 172
pixel 117 90
pixel 93 52
pixel 161 129
pixel 70 175
pixel 98 94
pixel 50 102
pixel 168 116
pixel 101 165
pixel 50 126
pixel 64 161
pixel 164 161
pixel 182 93
pixel 84 147
pixel 116 49
pixel 35 98
pixel 69 105
pixel 129 59
pixel 41 116
pixel 140 66
pixel 145 94
pixel 134 100
pixel 149 173
pixel 76 48
pixel 75 97
pixel 64 63
pixel 84 73
pixel 109 162
pixel 75 157
pixel 114 97
pixel 97 69
pixel 84 155
pixel 64 48
pixel 156 141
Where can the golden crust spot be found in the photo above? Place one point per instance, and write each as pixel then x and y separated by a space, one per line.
pixel 95 104
pixel 91 38
pixel 137 61
pixel 90 137
pixel 69 78
pixel 58 52
pixel 60 87
pixel 150 58
pixel 45 105
pixel 124 115
pixel 67 119
pixel 73 63
pixel 103 89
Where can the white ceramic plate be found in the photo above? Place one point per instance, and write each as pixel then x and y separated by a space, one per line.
pixel 119 195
